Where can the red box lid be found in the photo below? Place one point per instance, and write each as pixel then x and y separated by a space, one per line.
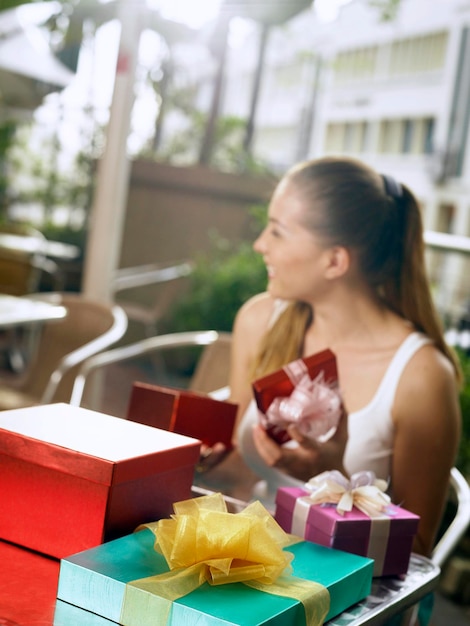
pixel 278 384
pixel 186 412
pixel 95 446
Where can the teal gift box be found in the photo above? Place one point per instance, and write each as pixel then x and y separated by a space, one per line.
pixel 66 614
pixel 95 580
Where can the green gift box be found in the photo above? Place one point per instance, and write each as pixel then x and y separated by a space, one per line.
pixel 95 580
pixel 66 614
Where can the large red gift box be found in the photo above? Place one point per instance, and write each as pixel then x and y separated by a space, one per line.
pixel 281 384
pixel 28 587
pixel 185 412
pixel 71 478
pixel 387 539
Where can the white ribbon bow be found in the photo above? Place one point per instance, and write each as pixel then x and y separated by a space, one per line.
pixel 363 490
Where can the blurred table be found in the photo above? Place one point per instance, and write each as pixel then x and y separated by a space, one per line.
pixel 33 245
pixel 16 314
pixel 392 595
pixel 28 590
pixel 21 311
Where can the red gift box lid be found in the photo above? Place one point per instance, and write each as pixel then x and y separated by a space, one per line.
pixel 95 446
pixel 278 384
pixel 183 411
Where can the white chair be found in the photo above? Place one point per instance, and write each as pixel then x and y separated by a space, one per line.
pixel 164 281
pixel 60 347
pixel 459 494
pixel 213 372
pixel 461 522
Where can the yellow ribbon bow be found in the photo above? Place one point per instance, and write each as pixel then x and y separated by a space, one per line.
pixel 202 542
pixel 363 490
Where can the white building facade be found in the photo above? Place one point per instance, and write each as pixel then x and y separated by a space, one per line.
pixel 394 94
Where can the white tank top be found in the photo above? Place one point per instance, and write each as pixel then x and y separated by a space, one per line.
pixel 370 430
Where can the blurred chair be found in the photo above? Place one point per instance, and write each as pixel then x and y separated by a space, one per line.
pixel 459 498
pixel 459 493
pixel 167 280
pixel 203 377
pixel 60 347
pixel 24 263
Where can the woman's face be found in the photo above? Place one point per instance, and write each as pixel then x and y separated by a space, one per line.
pixel 295 258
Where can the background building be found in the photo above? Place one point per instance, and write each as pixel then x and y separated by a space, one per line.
pixel 395 94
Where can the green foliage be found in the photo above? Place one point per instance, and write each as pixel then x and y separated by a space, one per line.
pixel 463 458
pixel 388 9
pixel 223 279
pixel 218 287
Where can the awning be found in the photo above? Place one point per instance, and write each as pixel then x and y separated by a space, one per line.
pixel 28 68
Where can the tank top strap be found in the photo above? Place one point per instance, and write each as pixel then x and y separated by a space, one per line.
pixel 278 309
pixel 401 358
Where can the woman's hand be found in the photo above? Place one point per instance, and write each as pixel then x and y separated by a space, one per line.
pixel 309 457
pixel 210 456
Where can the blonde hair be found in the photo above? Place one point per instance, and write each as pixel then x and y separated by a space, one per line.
pixel 351 205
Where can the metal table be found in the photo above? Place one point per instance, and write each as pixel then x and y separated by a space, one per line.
pixel 392 595
pixel 20 311
pixel 28 589
pixel 35 245
pixel 17 313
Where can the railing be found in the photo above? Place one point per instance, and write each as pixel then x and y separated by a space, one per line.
pixel 447 243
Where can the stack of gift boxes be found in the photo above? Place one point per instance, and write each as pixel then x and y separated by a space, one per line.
pixel 76 484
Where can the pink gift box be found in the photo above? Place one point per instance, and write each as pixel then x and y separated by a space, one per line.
pixel 387 539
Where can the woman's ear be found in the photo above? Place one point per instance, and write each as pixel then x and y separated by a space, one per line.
pixel 338 262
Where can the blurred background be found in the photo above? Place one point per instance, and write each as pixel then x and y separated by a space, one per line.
pixel 202 105
pixel 136 135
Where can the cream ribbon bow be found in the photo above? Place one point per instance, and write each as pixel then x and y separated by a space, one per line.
pixel 363 490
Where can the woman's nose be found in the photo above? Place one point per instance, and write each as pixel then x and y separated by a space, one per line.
pixel 259 245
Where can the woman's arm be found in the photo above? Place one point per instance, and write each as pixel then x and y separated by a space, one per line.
pixel 426 416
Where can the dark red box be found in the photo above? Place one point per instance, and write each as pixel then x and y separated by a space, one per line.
pixel 71 478
pixel 185 412
pixel 278 384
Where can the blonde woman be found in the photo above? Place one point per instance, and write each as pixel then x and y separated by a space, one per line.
pixel 344 254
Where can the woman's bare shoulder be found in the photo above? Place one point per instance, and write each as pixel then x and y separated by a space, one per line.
pixel 429 385
pixel 256 312
pixel 261 305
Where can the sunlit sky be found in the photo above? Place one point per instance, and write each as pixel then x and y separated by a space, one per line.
pixel 196 13
pixel 96 72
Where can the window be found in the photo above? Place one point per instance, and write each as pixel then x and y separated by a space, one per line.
pixel 418 54
pixel 407 145
pixel 405 57
pixel 428 140
pixel 391 132
pixel 355 65
pixel 334 140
